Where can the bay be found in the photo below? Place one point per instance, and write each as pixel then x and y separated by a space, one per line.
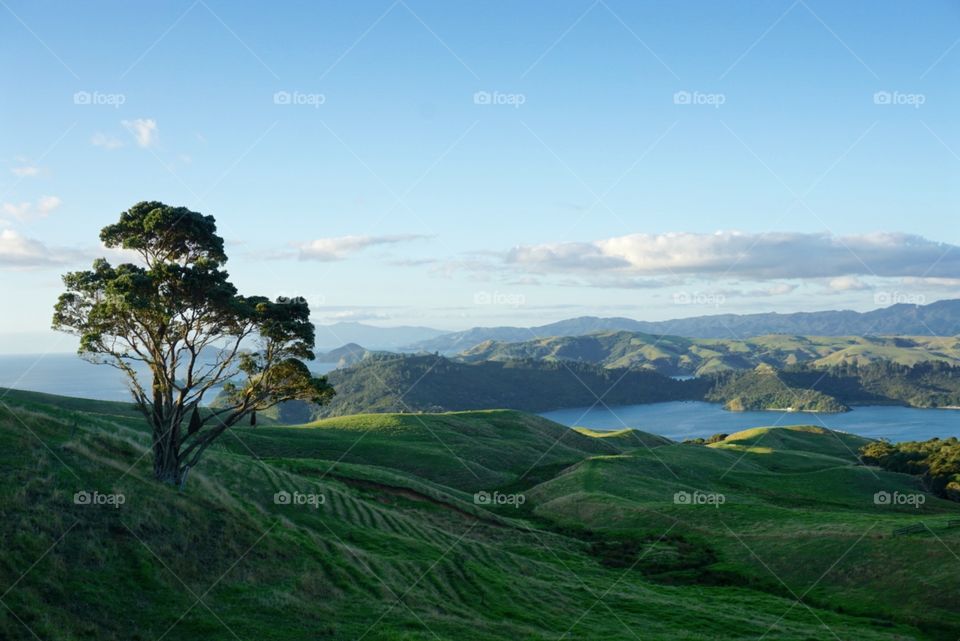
pixel 690 419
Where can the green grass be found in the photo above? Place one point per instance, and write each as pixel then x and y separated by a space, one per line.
pixel 626 438
pixel 799 438
pixel 795 504
pixel 399 550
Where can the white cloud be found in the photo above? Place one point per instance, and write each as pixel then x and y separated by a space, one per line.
pixel 25 171
pixel 106 141
pixel 144 130
pixel 44 206
pixel 938 283
pixel 330 249
pixel 356 316
pixel 776 289
pixel 847 284
pixel 17 251
pixel 744 255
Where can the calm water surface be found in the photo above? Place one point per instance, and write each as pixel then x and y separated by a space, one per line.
pixel 69 375
pixel 690 419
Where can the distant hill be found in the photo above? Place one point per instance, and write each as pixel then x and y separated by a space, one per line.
pixel 397 383
pixel 385 382
pixel 835 387
pixel 764 388
pixel 373 337
pixel 459 341
pixel 673 355
pixel 346 355
pixel 941 318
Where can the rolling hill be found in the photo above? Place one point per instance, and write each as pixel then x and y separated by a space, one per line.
pixel 674 355
pixel 610 539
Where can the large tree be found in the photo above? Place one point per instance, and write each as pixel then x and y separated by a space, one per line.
pixel 175 319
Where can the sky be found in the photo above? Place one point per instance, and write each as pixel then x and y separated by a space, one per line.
pixel 490 163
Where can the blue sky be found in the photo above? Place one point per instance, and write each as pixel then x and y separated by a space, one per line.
pixel 474 163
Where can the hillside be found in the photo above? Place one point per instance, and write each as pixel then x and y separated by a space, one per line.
pixel 599 546
pixel 431 383
pixel 833 388
pixel 397 383
pixel 764 388
pixel 798 438
pixel 674 355
pixel 941 318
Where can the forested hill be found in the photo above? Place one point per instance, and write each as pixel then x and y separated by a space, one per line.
pixel 833 389
pixel 673 355
pixel 397 383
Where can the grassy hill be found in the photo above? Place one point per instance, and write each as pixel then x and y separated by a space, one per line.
pixel 395 547
pixel 698 356
pixel 798 438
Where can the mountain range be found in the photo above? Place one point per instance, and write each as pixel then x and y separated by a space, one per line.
pixel 941 318
pixel 372 337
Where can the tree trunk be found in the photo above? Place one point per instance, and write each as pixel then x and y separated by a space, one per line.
pixel 166 455
pixel 166 465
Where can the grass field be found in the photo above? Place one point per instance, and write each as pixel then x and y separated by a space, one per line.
pixel 394 544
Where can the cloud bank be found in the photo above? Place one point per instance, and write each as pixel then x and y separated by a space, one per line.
pixel 17 251
pixel 732 254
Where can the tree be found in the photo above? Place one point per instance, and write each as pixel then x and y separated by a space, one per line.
pixel 177 316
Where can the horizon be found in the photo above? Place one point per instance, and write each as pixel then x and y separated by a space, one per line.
pixel 6 340
pixel 392 166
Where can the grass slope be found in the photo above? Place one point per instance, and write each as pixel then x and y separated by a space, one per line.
pixel 397 551
pixel 798 515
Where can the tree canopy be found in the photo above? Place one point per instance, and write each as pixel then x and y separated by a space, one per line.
pixel 176 314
